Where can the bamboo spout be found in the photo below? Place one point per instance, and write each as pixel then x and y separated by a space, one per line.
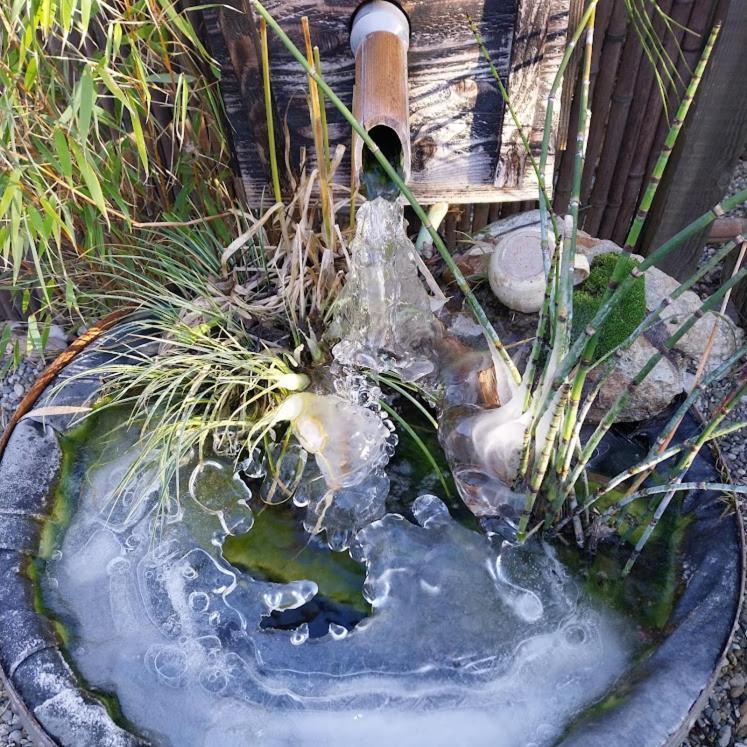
pixel 379 39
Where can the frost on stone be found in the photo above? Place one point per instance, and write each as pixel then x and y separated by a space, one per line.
pixel 383 318
pixel 470 640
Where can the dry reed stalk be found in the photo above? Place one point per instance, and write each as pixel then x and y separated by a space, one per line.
pixel 316 123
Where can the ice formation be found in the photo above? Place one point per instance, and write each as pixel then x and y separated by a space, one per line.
pixel 471 640
pixel 383 317
pixel 351 440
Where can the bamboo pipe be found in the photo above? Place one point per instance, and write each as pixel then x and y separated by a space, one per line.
pixel 379 39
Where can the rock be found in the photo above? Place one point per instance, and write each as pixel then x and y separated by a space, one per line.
pixel 724 736
pixel 727 338
pixel 670 377
pixel 15 736
pixel 18 390
pixel 655 392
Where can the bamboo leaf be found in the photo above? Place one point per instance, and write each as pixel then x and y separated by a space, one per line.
pixel 32 70
pixel 85 16
pixel 137 131
pixel 86 100
pixel 11 189
pixel 92 183
pixel 63 154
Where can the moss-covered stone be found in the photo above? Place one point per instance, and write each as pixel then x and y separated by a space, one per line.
pixel 587 298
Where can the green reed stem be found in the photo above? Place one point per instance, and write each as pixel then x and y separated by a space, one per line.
pixel 620 282
pixel 666 151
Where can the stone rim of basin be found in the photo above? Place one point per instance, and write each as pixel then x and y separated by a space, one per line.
pixel 39 676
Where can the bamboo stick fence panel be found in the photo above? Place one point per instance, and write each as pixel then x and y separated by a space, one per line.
pixel 709 146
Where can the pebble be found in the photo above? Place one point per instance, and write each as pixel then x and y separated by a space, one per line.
pixel 724 737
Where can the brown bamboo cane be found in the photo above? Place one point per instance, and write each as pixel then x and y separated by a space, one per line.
pixel 647 142
pixel 612 47
pixel 692 43
pixel 622 97
pixel 645 101
pixel 563 184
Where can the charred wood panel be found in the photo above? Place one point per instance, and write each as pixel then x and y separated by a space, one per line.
pixel 463 149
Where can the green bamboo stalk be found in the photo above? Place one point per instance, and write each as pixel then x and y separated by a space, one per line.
pixel 589 350
pixel 584 22
pixel 617 406
pixel 679 487
pixel 647 464
pixel 654 315
pixel 565 310
pixel 473 303
pixel 666 151
pixel 541 464
pixel 268 110
pixel 681 470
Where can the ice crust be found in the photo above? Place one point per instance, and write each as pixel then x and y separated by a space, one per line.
pixel 383 317
pixel 471 640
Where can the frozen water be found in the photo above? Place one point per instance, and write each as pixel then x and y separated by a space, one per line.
pixel 383 317
pixel 471 640
pixel 348 440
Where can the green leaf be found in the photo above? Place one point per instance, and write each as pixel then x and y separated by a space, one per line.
pixel 86 100
pixel 92 183
pixel 63 154
pixel 31 71
pixel 10 192
pixel 85 15
pixel 33 335
pixel 137 131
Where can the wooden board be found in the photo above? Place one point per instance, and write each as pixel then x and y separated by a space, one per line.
pixel 463 149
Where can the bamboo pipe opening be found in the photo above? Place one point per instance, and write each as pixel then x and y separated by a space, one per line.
pixel 379 39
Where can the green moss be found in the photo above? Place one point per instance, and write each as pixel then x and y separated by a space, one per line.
pixel 587 298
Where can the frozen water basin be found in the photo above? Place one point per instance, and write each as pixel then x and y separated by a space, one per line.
pixel 651 704
pixel 467 640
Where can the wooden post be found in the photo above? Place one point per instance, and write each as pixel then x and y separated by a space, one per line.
pixel 707 148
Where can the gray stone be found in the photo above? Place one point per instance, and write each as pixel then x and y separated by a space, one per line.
pixel 724 737
pixel 656 391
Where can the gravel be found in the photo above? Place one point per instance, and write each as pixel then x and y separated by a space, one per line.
pixel 11 731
